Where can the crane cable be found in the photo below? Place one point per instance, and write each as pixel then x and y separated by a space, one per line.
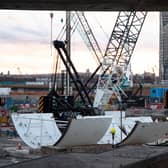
pixel 51 54
pixel 101 27
pixel 56 58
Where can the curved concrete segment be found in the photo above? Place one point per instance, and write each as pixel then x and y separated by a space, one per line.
pixel 36 129
pixel 84 131
pixel 122 130
pixel 144 133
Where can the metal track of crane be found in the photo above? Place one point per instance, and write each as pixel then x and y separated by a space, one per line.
pixel 117 56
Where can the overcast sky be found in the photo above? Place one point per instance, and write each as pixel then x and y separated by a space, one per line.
pixel 25 41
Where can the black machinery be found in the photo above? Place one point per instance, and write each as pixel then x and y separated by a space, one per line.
pixel 64 106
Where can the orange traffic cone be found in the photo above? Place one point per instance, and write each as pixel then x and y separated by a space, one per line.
pixel 19 146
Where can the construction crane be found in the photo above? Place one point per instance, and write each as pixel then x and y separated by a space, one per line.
pixel 119 48
pixel 122 40
pixel 58 104
pixel 124 37
pixel 117 56
pixel 89 39
pixel 115 61
pixel 87 107
pixel 80 23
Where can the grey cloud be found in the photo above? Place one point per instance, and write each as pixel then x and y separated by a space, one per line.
pixel 19 34
pixel 30 31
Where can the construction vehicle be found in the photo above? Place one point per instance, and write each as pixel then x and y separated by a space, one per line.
pixel 117 57
pixel 114 68
pixel 64 107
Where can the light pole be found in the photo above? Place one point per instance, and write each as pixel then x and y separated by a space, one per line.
pixel 113 132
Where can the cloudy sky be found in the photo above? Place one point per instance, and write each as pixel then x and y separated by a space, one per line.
pixel 25 41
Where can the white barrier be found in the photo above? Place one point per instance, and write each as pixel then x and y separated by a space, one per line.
pixel 36 129
pixel 85 131
pixel 144 133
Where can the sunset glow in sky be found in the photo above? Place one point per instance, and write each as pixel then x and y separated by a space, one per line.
pixel 25 41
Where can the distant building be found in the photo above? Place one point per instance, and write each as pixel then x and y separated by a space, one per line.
pixel 163 52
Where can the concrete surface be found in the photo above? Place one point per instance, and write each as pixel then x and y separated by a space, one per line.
pixel 97 156
pixel 85 5
pixel 144 133
pixel 125 156
pixel 84 131
pixel 10 153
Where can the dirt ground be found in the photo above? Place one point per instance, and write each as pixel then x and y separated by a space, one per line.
pixel 85 157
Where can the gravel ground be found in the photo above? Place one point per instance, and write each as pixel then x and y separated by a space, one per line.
pixel 126 156
pixel 9 152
